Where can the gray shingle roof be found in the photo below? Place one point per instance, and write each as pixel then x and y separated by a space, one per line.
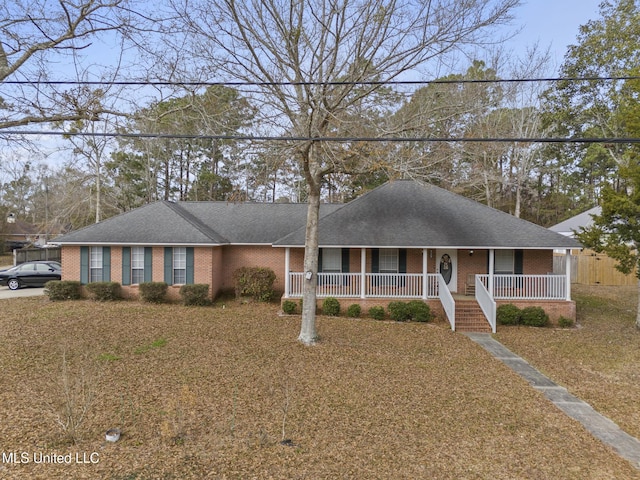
pixel 407 213
pixel 402 213
pixel 572 224
pixel 253 223
pixel 159 223
pixel 187 223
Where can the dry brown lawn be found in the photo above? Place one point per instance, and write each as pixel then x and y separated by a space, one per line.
pixel 599 361
pixel 206 393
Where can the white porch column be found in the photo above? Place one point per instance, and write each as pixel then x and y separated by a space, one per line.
pixel 567 272
pixel 287 251
pixel 492 255
pixel 363 268
pixel 424 274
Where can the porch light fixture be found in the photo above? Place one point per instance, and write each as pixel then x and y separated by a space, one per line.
pixel 470 252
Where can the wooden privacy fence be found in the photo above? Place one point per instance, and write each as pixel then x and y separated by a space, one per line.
pixel 590 268
pixel 31 254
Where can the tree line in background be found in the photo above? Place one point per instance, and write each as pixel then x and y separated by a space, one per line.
pixel 103 176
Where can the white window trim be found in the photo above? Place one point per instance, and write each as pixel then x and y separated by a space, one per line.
pixel 180 264
pixel 137 265
pixel 332 260
pixel 96 259
pixel 505 259
pixel 388 260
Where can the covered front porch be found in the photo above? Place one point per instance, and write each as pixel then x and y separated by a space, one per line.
pixel 438 280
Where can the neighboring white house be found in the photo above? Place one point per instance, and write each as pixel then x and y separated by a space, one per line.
pixel 574 224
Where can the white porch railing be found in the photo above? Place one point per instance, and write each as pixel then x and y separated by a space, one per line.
pixel 411 285
pixel 447 301
pixel 487 304
pixel 388 285
pixel 329 284
pixel 527 287
pixel 376 285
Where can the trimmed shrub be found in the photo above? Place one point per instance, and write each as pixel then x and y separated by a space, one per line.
pixel 195 294
pixel 399 311
pixel 354 311
pixel 331 307
pixel 377 313
pixel 255 282
pixel 58 290
pixel 419 311
pixel 508 314
pixel 104 291
pixel 153 292
pixel 414 310
pixel 289 307
pixel 564 322
pixel 534 317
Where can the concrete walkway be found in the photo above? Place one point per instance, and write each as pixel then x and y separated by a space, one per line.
pixel 601 427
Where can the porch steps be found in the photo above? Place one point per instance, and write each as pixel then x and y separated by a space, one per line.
pixel 469 317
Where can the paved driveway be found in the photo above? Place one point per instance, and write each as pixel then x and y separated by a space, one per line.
pixel 21 292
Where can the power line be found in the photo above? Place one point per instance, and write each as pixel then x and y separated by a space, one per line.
pixel 332 83
pixel 612 140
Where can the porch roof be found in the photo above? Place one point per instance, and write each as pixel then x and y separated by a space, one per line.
pixel 413 214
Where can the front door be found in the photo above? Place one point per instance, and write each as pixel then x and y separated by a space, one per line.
pixel 447 266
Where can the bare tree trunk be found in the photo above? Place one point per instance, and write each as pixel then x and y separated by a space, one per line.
pixel 308 334
pixel 638 312
pixel 98 192
pixel 516 212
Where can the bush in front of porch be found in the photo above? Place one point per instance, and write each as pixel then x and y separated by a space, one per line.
pixel 534 317
pixel 509 314
pixel 414 310
pixel 331 307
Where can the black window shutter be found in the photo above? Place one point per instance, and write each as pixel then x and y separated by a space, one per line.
pixel 375 260
pixel 402 265
pixel 402 260
pixel 319 260
pixel 518 257
pixel 345 265
pixel 345 260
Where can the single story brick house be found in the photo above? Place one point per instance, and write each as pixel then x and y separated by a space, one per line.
pixel 402 240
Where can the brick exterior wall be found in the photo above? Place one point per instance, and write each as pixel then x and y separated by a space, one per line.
pixel 70 259
pixel 237 256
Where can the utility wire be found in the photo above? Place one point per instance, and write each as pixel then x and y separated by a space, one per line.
pixel 333 83
pixel 613 140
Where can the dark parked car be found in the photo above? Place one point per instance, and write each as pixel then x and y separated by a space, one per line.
pixel 30 274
